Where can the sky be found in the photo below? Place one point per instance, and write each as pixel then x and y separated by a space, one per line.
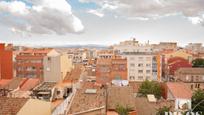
pixel 104 22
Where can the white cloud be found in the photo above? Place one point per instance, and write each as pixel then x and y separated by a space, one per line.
pixel 42 17
pixel 95 12
pixel 152 9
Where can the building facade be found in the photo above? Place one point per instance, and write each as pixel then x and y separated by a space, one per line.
pixel 192 76
pixel 29 63
pixel 132 46
pixel 6 61
pixel 111 69
pixel 46 64
pixel 143 66
pixel 56 65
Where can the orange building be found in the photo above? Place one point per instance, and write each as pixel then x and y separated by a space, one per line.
pixel 6 63
pixel 111 69
pixel 29 63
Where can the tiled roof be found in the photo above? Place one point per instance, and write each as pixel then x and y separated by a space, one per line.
pixel 84 101
pixel 36 51
pixel 176 59
pixel 74 75
pixel 144 107
pixel 11 106
pixel 30 84
pixel 135 85
pixel 179 90
pixel 120 95
pixel 15 83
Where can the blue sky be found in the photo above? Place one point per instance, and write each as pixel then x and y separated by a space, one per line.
pixel 105 22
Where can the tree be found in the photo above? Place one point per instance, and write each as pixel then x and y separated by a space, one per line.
pixel 122 110
pixel 198 101
pixel 198 62
pixel 161 111
pixel 150 87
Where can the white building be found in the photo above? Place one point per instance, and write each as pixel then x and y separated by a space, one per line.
pixel 195 47
pixel 141 66
pixel 132 46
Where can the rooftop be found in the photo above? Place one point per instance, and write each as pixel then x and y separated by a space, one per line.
pixel 74 75
pixel 86 101
pixel 179 90
pixel 15 83
pixel 33 51
pixel 30 84
pixel 138 53
pixel 120 95
pixel 11 106
pixel 144 107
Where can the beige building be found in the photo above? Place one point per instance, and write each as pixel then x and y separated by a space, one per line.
pixel 192 76
pixel 195 47
pixel 141 66
pixel 132 46
pixel 37 107
pixel 165 46
pixel 56 65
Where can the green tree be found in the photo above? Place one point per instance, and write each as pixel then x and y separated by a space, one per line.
pixel 122 110
pixel 198 101
pixel 198 62
pixel 150 87
pixel 162 110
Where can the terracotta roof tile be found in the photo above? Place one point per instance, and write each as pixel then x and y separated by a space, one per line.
pixel 179 90
pixel 11 106
pixel 30 84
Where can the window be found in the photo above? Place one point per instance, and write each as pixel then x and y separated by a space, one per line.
pixel 148 71
pixel 140 65
pixel 121 67
pixel 187 78
pixel 148 77
pixel 197 78
pixel 148 58
pixel 148 65
pixel 140 58
pixel 49 58
pixel 132 65
pixel 132 77
pixel 132 70
pixel 140 71
pixel 140 77
pixel 132 58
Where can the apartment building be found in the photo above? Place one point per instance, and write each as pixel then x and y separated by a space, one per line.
pixel 195 47
pixel 46 64
pixel 29 63
pixel 111 69
pixel 143 66
pixel 105 54
pixel 192 76
pixel 6 62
